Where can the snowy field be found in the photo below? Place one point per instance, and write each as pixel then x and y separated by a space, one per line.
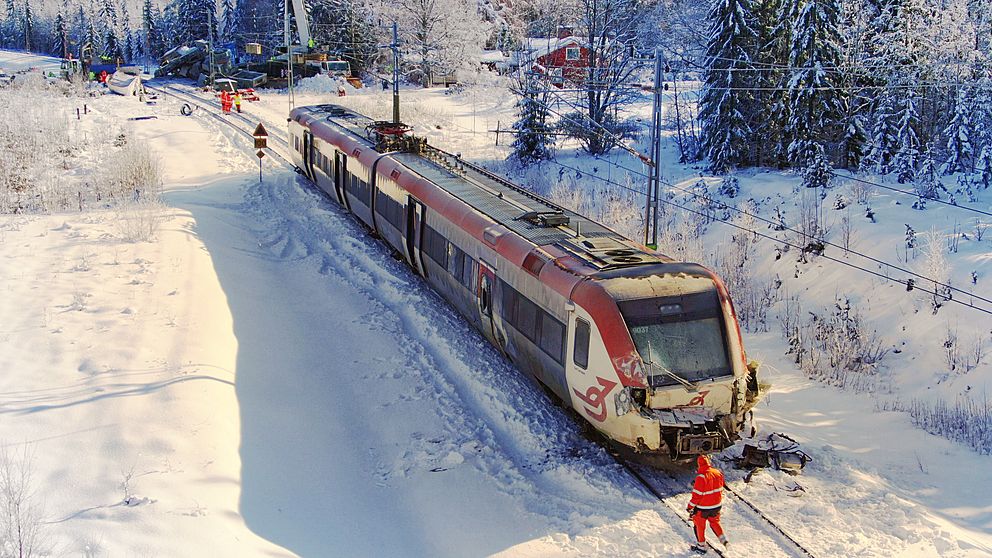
pixel 261 378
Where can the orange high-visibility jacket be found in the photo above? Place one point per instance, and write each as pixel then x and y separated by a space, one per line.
pixel 707 491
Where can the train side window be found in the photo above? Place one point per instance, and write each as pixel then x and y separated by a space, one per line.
pixel 526 317
pixel 469 272
pixel 437 246
pixel 552 337
pixel 580 354
pixel 456 261
pixel 509 301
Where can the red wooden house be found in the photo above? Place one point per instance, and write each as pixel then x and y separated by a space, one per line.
pixel 565 57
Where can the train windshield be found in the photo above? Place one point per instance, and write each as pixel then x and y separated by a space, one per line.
pixel 681 339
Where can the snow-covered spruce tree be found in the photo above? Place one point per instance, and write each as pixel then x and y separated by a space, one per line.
pixel 981 118
pixel 817 172
pixel 127 40
pixel 726 102
pixel 347 26
pixel 108 15
pixel 928 178
pixel 960 154
pixel 906 157
pixel 8 25
pixel 228 22
pixel 78 29
pixel 814 100
pixel 92 38
pixel 28 26
pixel 853 142
pixel 193 19
pixel 771 58
pixel 112 49
pixel 150 33
pixel 533 141
pixel 60 36
pixel 984 167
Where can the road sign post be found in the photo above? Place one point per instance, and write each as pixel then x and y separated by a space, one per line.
pixel 261 139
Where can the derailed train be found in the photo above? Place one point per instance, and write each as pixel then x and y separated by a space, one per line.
pixel 645 348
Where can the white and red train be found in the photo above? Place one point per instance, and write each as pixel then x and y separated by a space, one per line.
pixel 647 349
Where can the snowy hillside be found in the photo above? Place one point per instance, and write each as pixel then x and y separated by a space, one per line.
pixel 257 376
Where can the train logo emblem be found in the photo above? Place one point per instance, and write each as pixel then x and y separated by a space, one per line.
pixel 595 398
pixel 699 400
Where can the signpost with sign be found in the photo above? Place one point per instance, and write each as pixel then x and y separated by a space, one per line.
pixel 261 139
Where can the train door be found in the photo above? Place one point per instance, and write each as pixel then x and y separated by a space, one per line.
pixel 486 286
pixel 415 214
pixel 308 150
pixel 340 168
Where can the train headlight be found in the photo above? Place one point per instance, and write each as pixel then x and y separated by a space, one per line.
pixel 622 400
pixel 629 399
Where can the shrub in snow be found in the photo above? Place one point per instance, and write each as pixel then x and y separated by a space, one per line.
pixel 20 516
pixel 568 193
pixel 967 420
pixel 934 267
pixel 597 138
pixel 730 187
pixel 133 173
pixel 833 346
pixel 39 119
pixel 621 211
pixel 812 227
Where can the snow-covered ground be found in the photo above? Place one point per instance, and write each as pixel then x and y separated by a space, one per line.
pixel 266 380
pixel 11 62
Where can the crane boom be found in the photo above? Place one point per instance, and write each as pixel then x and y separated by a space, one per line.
pixel 302 24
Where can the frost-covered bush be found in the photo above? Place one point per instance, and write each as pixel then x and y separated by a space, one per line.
pixel 967 420
pixel 833 346
pixel 49 160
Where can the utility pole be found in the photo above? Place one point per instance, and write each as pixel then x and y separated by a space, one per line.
pixel 289 55
pixel 396 75
pixel 654 181
pixel 210 42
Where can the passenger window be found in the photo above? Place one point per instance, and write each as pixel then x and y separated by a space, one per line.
pixel 527 317
pixel 552 336
pixel 581 352
pixel 468 272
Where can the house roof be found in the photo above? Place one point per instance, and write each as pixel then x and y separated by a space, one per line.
pixel 542 46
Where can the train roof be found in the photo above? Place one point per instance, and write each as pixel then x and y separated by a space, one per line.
pixel 536 219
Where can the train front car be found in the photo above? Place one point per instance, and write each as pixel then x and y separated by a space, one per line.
pixel 669 373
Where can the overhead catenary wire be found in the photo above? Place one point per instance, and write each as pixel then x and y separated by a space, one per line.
pixel 832 172
pixel 936 283
pixel 935 293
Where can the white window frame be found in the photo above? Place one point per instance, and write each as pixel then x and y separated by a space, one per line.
pixel 569 52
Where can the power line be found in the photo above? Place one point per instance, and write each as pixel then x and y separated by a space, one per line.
pixel 908 193
pixel 803 249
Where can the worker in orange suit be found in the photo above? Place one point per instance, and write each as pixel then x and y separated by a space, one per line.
pixel 225 101
pixel 704 506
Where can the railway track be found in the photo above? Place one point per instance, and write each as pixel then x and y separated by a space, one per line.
pixel 212 107
pixel 744 517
